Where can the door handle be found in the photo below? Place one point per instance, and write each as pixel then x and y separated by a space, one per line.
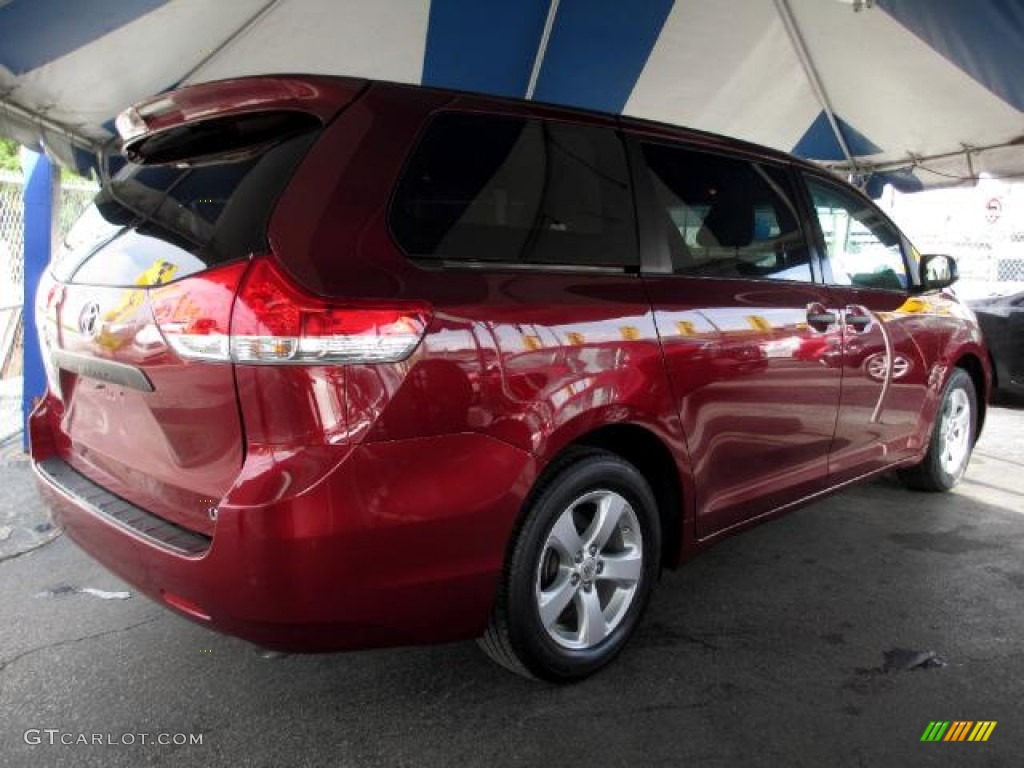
pixel 819 318
pixel 857 317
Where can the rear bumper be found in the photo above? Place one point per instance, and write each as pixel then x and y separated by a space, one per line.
pixel 395 543
pixel 71 486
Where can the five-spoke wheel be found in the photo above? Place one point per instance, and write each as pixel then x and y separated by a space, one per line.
pixel 581 570
pixel 588 573
pixel 952 439
pixel 955 429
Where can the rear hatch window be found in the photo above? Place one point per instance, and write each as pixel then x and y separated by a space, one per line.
pixel 207 202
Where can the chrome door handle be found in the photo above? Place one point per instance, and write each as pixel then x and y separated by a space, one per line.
pixel 857 317
pixel 819 318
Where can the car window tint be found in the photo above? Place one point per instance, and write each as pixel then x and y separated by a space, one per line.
pixel 481 188
pixel 727 217
pixel 190 216
pixel 863 249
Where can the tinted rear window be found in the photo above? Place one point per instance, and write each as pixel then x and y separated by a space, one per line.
pixel 163 222
pixel 481 188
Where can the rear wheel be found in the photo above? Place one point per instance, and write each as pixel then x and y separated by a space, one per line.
pixel 580 572
pixel 952 438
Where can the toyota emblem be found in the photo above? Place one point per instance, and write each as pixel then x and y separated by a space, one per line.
pixel 88 320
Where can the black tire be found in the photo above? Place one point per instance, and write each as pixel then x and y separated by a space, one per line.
pixel 580 483
pixel 934 473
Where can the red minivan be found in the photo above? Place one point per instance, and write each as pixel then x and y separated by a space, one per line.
pixel 340 364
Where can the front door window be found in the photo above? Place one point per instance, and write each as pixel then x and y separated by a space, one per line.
pixel 863 250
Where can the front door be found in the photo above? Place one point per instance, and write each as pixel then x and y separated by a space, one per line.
pixel 885 358
pixel 745 330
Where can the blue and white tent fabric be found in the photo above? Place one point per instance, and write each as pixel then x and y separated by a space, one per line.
pixel 918 93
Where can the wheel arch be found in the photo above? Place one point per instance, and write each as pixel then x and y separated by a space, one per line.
pixel 972 365
pixel 653 459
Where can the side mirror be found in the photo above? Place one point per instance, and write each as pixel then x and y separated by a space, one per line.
pixel 938 271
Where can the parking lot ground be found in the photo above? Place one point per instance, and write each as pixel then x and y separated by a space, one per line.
pixel 768 650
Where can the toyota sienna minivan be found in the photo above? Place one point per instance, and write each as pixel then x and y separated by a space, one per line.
pixel 339 364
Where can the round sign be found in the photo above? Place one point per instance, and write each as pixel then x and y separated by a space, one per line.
pixel 993 210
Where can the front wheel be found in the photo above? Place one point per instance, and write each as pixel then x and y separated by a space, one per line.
pixel 580 572
pixel 952 441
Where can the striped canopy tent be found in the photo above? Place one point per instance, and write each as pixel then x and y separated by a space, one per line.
pixel 917 93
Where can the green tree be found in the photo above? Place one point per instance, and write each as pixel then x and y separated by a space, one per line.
pixel 9 157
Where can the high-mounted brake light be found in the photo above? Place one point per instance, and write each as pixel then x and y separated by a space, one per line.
pixel 273 322
pixel 316 96
pixel 130 124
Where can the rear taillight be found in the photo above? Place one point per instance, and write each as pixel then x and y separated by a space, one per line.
pixel 275 322
pixel 271 321
pixel 194 314
pixel 50 294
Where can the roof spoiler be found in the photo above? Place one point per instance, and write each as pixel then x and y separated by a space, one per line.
pixel 320 96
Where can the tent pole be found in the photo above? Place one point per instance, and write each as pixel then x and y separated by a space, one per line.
pixel 262 12
pixel 542 48
pixel 789 22
pixel 15 110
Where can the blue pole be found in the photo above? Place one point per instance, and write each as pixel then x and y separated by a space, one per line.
pixel 40 179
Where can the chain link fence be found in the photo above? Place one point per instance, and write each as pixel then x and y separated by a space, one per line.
pixel 1010 266
pixel 989 268
pixel 12 275
pixel 73 199
pixel 12 232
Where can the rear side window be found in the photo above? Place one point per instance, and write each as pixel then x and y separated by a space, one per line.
pixel 727 217
pixel 159 222
pixel 481 188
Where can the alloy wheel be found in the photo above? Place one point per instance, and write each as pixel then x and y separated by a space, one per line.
pixel 589 570
pixel 955 432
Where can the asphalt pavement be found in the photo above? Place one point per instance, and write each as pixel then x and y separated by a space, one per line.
pixel 830 637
